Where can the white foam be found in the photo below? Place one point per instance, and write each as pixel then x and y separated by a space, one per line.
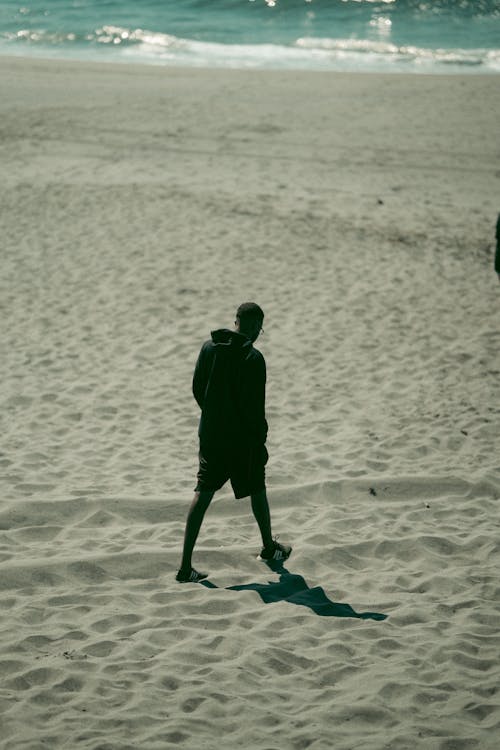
pixel 309 53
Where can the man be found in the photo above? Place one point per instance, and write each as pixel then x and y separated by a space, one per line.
pixel 229 384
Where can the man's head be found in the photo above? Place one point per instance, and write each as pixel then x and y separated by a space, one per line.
pixel 249 319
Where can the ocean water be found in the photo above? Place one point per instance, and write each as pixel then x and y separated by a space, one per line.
pixel 427 36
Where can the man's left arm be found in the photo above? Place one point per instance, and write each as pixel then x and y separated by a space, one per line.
pixel 200 378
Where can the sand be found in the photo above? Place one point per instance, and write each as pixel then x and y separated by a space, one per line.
pixel 139 207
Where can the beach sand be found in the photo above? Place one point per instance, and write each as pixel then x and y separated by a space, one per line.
pixel 139 207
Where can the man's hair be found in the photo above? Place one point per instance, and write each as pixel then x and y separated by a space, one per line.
pixel 249 312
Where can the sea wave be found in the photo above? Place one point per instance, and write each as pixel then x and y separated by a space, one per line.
pixel 116 43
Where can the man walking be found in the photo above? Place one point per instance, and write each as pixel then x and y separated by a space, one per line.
pixel 229 384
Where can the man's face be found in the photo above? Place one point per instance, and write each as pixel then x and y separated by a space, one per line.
pixel 256 328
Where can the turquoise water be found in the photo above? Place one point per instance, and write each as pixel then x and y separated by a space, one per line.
pixel 369 35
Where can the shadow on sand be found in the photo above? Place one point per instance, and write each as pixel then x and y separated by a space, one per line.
pixel 293 589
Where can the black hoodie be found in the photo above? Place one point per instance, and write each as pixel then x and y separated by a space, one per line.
pixel 229 384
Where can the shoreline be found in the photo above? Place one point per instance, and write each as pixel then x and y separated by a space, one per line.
pixel 465 71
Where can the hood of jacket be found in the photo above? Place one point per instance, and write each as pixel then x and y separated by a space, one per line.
pixel 230 340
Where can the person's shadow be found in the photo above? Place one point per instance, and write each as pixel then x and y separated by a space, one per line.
pixel 293 589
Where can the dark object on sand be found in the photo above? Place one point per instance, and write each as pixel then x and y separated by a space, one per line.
pixel 497 251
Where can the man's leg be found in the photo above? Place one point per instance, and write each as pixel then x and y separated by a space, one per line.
pixel 260 508
pixel 195 517
pixel 273 551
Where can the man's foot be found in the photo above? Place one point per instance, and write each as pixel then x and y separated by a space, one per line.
pixel 190 576
pixel 278 552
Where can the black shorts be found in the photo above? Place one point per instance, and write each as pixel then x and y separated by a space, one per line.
pixel 245 468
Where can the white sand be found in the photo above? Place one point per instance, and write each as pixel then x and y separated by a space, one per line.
pixel 139 207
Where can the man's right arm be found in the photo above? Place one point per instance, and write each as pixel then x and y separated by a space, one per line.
pixel 255 400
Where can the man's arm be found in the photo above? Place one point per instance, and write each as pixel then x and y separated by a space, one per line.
pixel 200 376
pixel 256 400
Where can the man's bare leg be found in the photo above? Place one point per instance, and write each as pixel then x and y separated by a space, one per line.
pixel 273 551
pixel 260 508
pixel 194 520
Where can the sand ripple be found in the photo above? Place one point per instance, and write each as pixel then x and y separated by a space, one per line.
pixel 100 628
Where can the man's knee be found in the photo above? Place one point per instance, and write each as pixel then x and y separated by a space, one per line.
pixel 203 498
